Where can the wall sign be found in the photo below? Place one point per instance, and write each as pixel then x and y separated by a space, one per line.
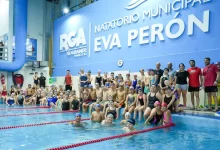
pixel 147 31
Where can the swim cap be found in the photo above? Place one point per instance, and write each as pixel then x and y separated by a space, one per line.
pixel 97 105
pixel 157 103
pixel 90 85
pixel 77 115
pixel 131 88
pixel 139 89
pixel 110 115
pixel 164 105
pixel 132 121
pixel 127 114
pixel 89 71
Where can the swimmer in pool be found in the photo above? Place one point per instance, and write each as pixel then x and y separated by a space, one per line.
pixel 127 116
pixel 167 118
pixel 97 115
pixel 77 122
pixel 93 105
pixel 130 126
pixel 108 121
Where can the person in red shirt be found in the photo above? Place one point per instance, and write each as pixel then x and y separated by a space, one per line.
pixel 211 77
pixel 195 80
pixel 68 81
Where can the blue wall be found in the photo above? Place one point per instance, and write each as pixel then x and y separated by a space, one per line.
pixel 182 48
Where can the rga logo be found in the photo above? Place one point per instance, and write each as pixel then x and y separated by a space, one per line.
pixel 135 3
pixel 74 43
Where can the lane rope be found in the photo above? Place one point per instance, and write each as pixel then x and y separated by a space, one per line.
pixel 40 113
pixel 111 137
pixel 39 124
pixel 25 108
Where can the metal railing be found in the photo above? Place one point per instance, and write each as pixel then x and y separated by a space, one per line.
pixel 3 53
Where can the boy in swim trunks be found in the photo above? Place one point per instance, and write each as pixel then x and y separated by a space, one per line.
pixel 130 126
pixel 121 96
pixel 92 93
pixel 86 101
pixel 105 95
pixel 29 91
pixel 99 92
pixel 97 115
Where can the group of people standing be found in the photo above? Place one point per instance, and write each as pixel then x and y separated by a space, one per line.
pixel 149 95
pixel 139 95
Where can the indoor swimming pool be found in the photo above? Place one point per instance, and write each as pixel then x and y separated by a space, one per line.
pixel 190 132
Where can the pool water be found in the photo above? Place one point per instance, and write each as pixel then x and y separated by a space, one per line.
pixel 190 133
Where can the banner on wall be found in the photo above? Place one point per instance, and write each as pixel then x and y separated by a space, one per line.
pixel 139 32
pixel 31 49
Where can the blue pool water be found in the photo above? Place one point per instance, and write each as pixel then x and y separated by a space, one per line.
pixel 190 133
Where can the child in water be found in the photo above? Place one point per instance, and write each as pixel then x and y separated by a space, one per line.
pixel 97 115
pixel 130 126
pixel 77 122
pixel 108 121
pixel 93 105
pixel 127 116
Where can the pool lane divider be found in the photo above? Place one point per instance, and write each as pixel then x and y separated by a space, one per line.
pixel 40 113
pixel 39 124
pixel 25 108
pixel 111 137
